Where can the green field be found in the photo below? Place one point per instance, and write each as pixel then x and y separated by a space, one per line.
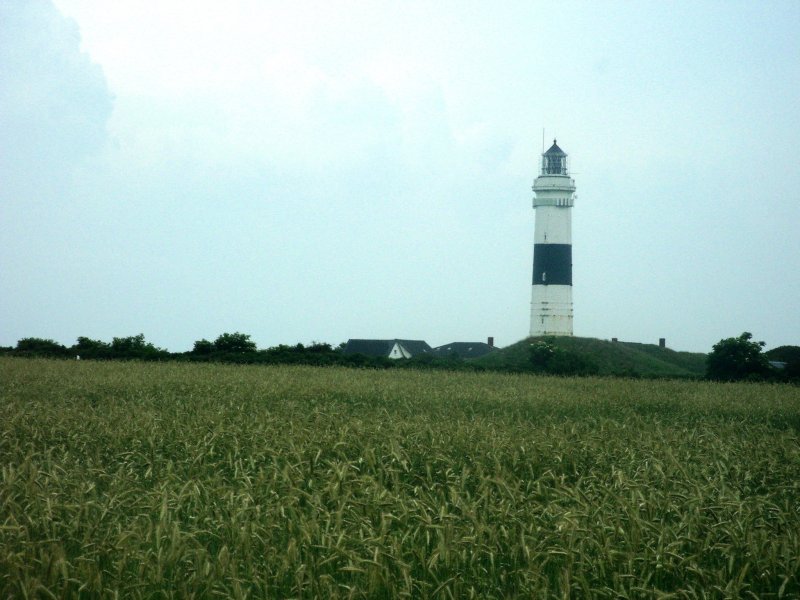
pixel 184 480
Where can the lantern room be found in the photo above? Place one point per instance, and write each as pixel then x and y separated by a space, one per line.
pixel 554 161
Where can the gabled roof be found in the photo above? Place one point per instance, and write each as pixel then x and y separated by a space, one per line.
pixel 415 347
pixel 555 150
pixel 368 347
pixel 384 347
pixel 463 349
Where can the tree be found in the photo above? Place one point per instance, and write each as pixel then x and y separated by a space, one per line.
pixel 40 347
pixel 789 355
pixel 135 346
pixel 737 358
pixel 89 348
pixel 234 342
pixel 203 347
pixel 540 355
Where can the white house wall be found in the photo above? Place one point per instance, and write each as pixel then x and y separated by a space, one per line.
pixel 398 351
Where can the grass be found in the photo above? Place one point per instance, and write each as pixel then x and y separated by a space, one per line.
pixel 611 358
pixel 184 480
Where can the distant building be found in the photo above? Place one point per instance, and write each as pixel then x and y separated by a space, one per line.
pixel 464 349
pixel 387 348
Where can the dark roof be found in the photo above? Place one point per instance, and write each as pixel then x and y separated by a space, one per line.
pixel 384 347
pixel 464 349
pixel 369 347
pixel 554 149
pixel 415 346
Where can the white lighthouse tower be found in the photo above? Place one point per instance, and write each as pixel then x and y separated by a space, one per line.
pixel 553 197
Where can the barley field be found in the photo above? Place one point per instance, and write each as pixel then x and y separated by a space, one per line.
pixel 146 480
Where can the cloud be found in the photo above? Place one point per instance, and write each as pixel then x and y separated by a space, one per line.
pixel 55 100
pixel 55 107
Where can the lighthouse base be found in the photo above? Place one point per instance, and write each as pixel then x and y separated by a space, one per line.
pixel 551 310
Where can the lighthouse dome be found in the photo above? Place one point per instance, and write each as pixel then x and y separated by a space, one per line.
pixel 554 161
pixel 554 149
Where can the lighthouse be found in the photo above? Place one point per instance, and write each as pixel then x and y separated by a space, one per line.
pixel 553 198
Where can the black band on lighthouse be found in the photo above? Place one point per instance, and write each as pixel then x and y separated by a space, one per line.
pixel 552 264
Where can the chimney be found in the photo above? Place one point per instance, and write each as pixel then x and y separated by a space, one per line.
pixel 662 342
pixel 490 341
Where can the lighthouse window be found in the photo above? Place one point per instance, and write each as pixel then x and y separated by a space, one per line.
pixel 553 165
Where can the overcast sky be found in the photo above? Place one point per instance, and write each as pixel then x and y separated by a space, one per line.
pixel 305 171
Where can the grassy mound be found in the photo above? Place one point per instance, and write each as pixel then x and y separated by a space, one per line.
pixel 611 358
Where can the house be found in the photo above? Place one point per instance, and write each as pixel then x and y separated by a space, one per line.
pixel 387 348
pixel 464 349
